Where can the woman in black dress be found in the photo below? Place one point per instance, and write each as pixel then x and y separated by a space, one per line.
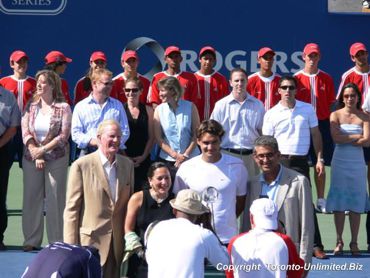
pixel 140 119
pixel 144 207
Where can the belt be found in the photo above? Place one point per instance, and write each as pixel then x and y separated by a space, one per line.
pixel 297 157
pixel 239 151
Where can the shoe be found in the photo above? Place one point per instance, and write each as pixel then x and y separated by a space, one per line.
pixel 365 4
pixel 29 248
pixel 2 246
pixel 318 253
pixel 338 250
pixel 354 249
pixel 321 205
pixel 368 248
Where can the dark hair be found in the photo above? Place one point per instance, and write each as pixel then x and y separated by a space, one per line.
pixel 208 52
pixel 356 89
pixel 288 78
pixel 53 66
pixel 266 140
pixel 238 70
pixel 212 127
pixel 154 166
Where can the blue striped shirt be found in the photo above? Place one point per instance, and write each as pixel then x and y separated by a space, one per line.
pixel 88 114
pixel 9 111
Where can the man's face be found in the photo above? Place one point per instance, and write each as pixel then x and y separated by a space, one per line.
pixel 103 85
pixel 210 145
pixel 287 91
pixel 266 61
pixel 361 58
pixel 109 140
pixel 207 62
pixel 267 159
pixel 173 60
pixel 130 65
pixel 311 60
pixel 20 66
pixel 238 82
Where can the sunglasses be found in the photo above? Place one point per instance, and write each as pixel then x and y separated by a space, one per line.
pixel 109 83
pixel 133 90
pixel 287 87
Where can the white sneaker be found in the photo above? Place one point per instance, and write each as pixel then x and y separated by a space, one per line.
pixel 321 205
pixel 365 4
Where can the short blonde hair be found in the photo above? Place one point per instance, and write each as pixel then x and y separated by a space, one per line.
pixel 106 123
pixel 95 76
pixel 173 85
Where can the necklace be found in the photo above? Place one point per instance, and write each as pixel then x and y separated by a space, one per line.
pixel 156 198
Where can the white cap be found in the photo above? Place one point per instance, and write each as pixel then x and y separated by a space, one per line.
pixel 264 213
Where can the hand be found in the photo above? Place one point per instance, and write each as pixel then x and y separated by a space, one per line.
pixel 40 164
pixel 320 168
pixel 180 158
pixel 137 160
pixel 93 142
pixel 36 152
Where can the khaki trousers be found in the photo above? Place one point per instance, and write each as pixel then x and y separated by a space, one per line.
pixel 48 183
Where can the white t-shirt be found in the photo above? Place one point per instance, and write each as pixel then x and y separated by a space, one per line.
pixel 229 176
pixel 291 127
pixel 42 126
pixel 177 248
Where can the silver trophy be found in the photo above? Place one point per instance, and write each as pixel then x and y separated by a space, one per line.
pixel 210 196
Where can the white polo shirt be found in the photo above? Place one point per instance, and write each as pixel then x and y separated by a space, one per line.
pixel 291 127
pixel 177 248
pixel 229 176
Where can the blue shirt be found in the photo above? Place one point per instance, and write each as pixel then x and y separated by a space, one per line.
pixel 242 122
pixel 88 114
pixel 270 190
pixel 9 111
pixel 177 128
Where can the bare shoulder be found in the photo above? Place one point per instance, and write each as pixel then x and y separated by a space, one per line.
pixel 136 199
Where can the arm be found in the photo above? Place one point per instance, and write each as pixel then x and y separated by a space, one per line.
pixel 7 135
pixel 317 144
pixel 124 126
pixel 337 135
pixel 365 139
pixel 306 219
pixel 180 158
pixel 133 207
pixel 74 204
pixel 77 129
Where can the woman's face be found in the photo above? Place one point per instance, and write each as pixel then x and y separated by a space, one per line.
pixel 98 64
pixel 350 97
pixel 161 180
pixel 165 95
pixel 43 88
pixel 132 91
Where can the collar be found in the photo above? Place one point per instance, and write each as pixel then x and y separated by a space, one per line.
pixel 231 98
pixel 205 75
pixel 277 179
pixel 104 159
pixel 280 107
pixel 90 99
pixel 266 79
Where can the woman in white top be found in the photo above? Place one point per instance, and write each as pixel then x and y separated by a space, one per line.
pixel 46 126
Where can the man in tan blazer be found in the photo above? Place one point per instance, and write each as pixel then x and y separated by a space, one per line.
pixel 99 187
pixel 289 190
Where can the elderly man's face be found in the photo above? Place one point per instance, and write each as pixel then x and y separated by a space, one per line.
pixel 109 140
pixel 267 159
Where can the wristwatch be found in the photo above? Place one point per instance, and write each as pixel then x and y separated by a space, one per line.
pixel 322 160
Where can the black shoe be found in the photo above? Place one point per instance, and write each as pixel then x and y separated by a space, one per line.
pixel 2 246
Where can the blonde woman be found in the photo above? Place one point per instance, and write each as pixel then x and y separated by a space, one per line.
pixel 46 127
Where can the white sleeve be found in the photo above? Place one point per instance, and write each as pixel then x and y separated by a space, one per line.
pixel 179 183
pixel 268 127
pixel 215 252
pixel 366 105
pixel 241 189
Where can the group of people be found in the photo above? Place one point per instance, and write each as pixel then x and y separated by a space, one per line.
pixel 229 148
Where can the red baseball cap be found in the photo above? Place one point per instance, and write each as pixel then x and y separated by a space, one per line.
pixel 265 50
pixel 17 55
pixel 356 47
pixel 171 49
pixel 207 48
pixel 311 48
pixel 98 55
pixel 56 56
pixel 129 54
